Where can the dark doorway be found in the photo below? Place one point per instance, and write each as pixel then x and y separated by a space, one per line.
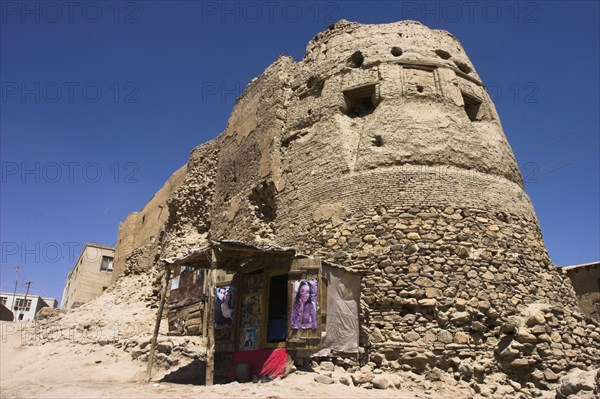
pixel 277 305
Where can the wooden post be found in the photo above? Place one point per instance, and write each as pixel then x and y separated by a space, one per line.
pixel 210 350
pixel 206 308
pixel 161 306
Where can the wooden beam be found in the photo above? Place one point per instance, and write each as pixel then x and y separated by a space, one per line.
pixel 161 306
pixel 210 350
pixel 205 306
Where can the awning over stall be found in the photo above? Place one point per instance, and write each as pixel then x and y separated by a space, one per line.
pixel 230 255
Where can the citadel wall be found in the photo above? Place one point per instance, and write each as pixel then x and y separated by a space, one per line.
pixel 141 228
pixel 586 282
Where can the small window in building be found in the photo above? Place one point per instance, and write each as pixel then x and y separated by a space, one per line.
pixel 472 106
pixel 360 101
pixel 20 304
pixel 107 264
pixel 3 300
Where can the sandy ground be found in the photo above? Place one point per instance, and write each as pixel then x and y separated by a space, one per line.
pixel 64 369
pixel 81 354
pixel 88 353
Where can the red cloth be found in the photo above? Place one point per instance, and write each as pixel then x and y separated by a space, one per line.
pixel 262 362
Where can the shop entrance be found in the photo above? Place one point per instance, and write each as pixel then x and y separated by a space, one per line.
pixel 277 309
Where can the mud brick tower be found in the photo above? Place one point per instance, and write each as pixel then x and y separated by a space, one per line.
pixel 381 151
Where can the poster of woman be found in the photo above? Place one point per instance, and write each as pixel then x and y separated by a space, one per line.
pixel 304 308
pixel 224 306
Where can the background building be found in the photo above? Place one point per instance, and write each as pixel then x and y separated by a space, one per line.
pixel 90 276
pixel 25 307
pixel 586 281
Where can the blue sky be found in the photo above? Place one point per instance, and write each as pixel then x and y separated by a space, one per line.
pixel 102 101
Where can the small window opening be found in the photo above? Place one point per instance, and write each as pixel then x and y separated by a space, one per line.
pixel 420 88
pixel 463 67
pixel 472 106
pixel 443 54
pixel 396 51
pixel 377 141
pixel 310 111
pixel 360 101
pixel 356 60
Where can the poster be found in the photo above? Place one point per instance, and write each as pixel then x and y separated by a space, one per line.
pixel 248 339
pixel 304 306
pixel 250 311
pixel 253 282
pixel 224 305
pixel 175 283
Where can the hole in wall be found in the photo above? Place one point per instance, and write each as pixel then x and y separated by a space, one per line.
pixel 472 106
pixel 263 198
pixel 314 86
pixel 310 111
pixel 360 101
pixel 298 135
pixel 443 54
pixel 463 67
pixel 377 141
pixel 396 51
pixel 356 60
pixel 420 88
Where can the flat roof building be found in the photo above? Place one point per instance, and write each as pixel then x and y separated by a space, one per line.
pixel 25 307
pixel 90 276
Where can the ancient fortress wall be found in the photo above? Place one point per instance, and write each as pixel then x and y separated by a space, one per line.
pixel 381 150
pixel 141 228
